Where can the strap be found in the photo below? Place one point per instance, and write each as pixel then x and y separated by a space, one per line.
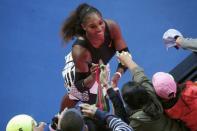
pixel 101 102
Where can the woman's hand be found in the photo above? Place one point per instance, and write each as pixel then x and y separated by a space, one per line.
pixel 93 70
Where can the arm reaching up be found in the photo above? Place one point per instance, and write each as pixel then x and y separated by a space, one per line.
pixel 174 38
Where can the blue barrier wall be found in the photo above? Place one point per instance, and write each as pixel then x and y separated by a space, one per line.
pixel 32 56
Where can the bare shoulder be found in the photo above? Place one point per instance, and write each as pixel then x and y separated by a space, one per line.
pixel 78 51
pixel 113 28
pixel 116 34
pixel 111 23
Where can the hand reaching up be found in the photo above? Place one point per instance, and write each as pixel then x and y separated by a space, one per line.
pixel 104 74
pixel 125 58
pixel 88 110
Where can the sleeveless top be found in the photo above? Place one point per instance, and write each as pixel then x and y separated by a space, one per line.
pixel 105 52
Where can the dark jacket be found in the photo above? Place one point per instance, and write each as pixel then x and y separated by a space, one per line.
pixel 141 121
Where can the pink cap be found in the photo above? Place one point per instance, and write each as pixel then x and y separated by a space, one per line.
pixel 164 85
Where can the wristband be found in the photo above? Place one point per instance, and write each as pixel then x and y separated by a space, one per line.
pixel 118 73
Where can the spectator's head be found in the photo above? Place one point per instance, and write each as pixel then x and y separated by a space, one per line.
pixel 135 95
pixel 71 120
pixel 21 122
pixel 165 85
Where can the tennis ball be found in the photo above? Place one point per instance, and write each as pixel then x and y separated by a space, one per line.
pixel 21 122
